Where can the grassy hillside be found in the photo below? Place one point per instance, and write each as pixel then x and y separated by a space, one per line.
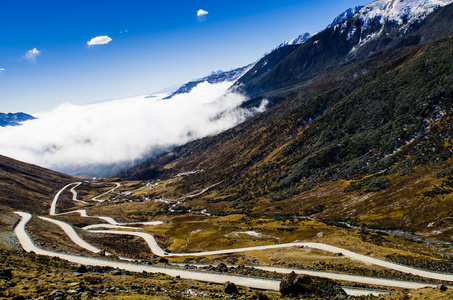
pixel 362 136
pixel 334 49
pixel 28 187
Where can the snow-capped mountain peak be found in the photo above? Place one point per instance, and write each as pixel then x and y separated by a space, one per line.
pixel 378 17
pixel 295 41
pixel 400 11
pixel 345 15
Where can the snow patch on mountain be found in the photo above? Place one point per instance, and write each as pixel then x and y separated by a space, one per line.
pixel 345 15
pixel 400 11
pixel 375 16
pixel 305 36
pixel 295 41
pixel 214 77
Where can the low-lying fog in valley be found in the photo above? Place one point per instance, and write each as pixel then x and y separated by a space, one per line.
pixel 100 139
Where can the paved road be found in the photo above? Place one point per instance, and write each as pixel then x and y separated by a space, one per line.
pixel 258 283
pixel 336 276
pixel 149 239
pixel 158 251
pixel 351 278
pixel 117 185
pixel 72 234
pixel 83 212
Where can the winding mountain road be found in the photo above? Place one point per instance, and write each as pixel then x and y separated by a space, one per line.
pixel 83 213
pixel 28 246
pixel 149 239
pixel 252 282
pixel 117 185
pixel 72 234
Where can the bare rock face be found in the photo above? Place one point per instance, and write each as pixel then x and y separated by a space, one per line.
pixel 163 260
pixel 82 269
pixel 294 285
pixel 221 268
pixel 230 288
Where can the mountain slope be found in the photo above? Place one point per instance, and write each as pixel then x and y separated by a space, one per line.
pixel 345 15
pixel 215 77
pixel 295 41
pixel 378 28
pixel 361 136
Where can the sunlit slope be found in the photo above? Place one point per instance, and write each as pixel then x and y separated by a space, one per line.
pixel 393 120
pixel 367 34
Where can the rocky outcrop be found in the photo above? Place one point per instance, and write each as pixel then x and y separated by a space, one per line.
pixel 221 268
pixel 230 288
pixel 294 285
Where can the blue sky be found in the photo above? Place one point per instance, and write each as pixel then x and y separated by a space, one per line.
pixel 45 59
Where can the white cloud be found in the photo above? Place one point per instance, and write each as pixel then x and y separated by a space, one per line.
pixel 106 136
pixel 99 40
pixel 32 54
pixel 201 12
pixel 2 69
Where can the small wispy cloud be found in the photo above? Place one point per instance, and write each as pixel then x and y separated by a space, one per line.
pixel 32 54
pixel 99 40
pixel 201 13
pixel 2 69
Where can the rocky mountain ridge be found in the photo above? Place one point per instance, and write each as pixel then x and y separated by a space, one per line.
pixel 361 128
pixel 14 119
pixel 377 28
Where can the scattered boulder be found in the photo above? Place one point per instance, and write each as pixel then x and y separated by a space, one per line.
pixel 294 285
pixel 72 292
pixel 230 288
pixel 12 283
pixel 82 269
pixel 57 294
pixel 116 272
pixel 443 287
pixel 6 274
pixel 221 268
pixel 163 260
pixel 260 296
pixel 306 279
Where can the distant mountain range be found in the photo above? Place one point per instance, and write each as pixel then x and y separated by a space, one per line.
pixel 214 77
pixel 345 15
pixel 233 75
pixel 377 28
pixel 14 119
pixel 372 27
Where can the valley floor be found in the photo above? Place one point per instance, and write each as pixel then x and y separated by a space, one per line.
pixel 196 265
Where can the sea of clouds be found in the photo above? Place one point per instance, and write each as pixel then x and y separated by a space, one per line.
pixel 102 139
